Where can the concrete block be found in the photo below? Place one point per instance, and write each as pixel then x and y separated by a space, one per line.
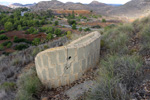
pixel 53 58
pixel 62 56
pixel 76 67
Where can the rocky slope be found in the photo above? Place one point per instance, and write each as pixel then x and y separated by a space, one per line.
pixel 4 8
pixel 134 8
pixel 54 4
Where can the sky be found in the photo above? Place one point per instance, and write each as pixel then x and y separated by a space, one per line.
pixel 82 1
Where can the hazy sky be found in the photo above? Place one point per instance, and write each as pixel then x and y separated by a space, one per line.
pixel 82 1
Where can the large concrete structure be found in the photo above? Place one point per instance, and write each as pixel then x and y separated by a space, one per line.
pixel 63 65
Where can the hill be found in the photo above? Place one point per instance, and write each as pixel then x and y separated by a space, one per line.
pixel 134 8
pixel 19 5
pixel 54 4
pixel 4 8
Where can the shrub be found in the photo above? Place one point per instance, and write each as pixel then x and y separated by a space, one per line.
pixel 49 36
pixel 71 22
pixel 29 85
pixel 35 51
pixel 117 73
pixel 36 41
pixel 74 27
pixel 96 26
pixel 19 28
pixel 104 20
pixel 1 47
pixel 9 45
pixel 69 34
pixel 6 43
pixel 57 32
pixel 21 47
pixel 3 37
pixel 2 31
pixel 87 29
pixel 18 40
pixel 8 86
pixel 8 26
pixel 56 23
pixel 80 29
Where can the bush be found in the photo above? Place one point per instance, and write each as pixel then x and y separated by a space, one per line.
pixel 117 74
pixel 74 27
pixel 69 34
pixel 6 43
pixel 80 29
pixel 29 85
pixel 2 31
pixel 1 47
pixel 71 22
pixel 87 29
pixel 3 37
pixel 8 26
pixel 49 36
pixel 36 41
pixel 57 32
pixel 104 20
pixel 18 40
pixel 8 86
pixel 21 47
pixel 96 26
pixel 56 23
pixel 9 45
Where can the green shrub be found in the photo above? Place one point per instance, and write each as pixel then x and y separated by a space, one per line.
pixel 87 29
pixel 2 31
pixel 1 47
pixel 57 32
pixel 96 26
pixel 18 40
pixel 116 74
pixel 74 27
pixel 56 23
pixel 29 85
pixel 35 51
pixel 69 34
pixel 36 41
pixel 80 29
pixel 21 47
pixel 104 20
pixel 6 43
pixel 3 37
pixel 49 36
pixel 8 86
pixel 9 45
pixel 8 26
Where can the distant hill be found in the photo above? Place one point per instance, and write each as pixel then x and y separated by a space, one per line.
pixel 115 4
pixel 133 8
pixel 54 4
pixel 4 8
pixel 19 5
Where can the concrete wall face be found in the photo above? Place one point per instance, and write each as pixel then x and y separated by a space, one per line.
pixel 63 65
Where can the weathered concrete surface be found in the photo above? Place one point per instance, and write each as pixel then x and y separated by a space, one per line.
pixel 63 65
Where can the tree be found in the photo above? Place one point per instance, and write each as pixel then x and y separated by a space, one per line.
pixel 74 27
pixel 8 26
